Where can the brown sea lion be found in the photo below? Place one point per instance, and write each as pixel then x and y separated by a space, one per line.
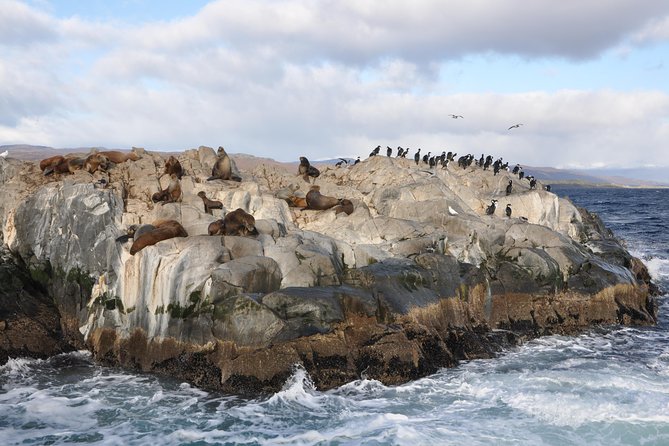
pixel 170 195
pixel 320 202
pixel 222 170
pixel 163 230
pixel 118 157
pixel 95 162
pixel 50 163
pixel 173 166
pixel 237 222
pixel 135 231
pixel 209 204
pixel 344 205
pixel 75 163
pixel 297 202
pixel 216 227
pixel 307 170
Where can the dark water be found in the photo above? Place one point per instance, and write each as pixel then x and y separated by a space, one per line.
pixel 609 386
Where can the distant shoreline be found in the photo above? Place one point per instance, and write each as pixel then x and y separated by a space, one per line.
pixel 586 185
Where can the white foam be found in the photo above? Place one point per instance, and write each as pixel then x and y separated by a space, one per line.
pixel 658 268
pixel 16 367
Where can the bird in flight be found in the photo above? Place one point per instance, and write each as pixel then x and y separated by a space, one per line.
pixel 456 116
pixel 515 126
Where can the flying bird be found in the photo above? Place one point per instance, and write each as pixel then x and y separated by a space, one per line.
pixel 456 116
pixel 515 126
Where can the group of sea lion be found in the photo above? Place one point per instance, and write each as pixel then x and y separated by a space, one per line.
pixel 96 161
pixel 237 222
pixel 314 200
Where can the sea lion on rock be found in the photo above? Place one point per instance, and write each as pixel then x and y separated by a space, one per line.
pixel 344 205
pixel 173 166
pixel 209 204
pixel 135 231
pixel 319 202
pixel 222 169
pixel 162 230
pixel 118 157
pixel 237 222
pixel 95 162
pixel 75 163
pixel 170 195
pixel 216 227
pixel 307 170
pixel 48 165
pixel 297 202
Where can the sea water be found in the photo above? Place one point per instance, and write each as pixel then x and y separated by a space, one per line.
pixel 608 386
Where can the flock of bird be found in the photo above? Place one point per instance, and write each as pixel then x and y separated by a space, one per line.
pixel 464 161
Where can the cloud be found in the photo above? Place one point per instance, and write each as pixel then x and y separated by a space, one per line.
pixel 286 78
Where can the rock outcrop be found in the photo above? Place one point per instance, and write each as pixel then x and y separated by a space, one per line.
pixel 416 278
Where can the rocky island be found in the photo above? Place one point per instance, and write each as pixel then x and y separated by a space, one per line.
pixel 410 272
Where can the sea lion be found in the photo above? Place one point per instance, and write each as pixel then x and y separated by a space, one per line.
pixel 47 165
pixel 222 169
pixel 307 170
pixel 75 163
pixel 95 162
pixel 173 166
pixel 163 230
pixel 209 204
pixel 118 157
pixel 237 222
pixel 344 205
pixel 170 195
pixel 297 202
pixel 58 164
pixel 135 231
pixel 319 202
pixel 216 227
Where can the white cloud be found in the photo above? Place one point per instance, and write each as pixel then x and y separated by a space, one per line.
pixel 287 78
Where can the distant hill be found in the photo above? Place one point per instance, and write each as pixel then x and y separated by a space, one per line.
pixel 640 177
pixel 632 177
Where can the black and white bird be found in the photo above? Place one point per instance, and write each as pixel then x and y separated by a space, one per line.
pixel 533 182
pixel 508 210
pixel 490 210
pixel 356 161
pixel 340 163
pixel 455 116
pixel 515 126
pixel 416 157
pixel 389 151
pixel 509 187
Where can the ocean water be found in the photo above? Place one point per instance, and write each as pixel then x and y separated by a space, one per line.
pixel 608 386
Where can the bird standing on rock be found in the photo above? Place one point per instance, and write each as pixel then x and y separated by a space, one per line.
pixel 509 187
pixel 490 210
pixel 416 157
pixel 508 210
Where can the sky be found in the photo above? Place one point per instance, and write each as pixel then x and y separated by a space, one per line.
pixel 588 79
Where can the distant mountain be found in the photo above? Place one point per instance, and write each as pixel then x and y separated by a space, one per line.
pixel 632 177
pixel 639 177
